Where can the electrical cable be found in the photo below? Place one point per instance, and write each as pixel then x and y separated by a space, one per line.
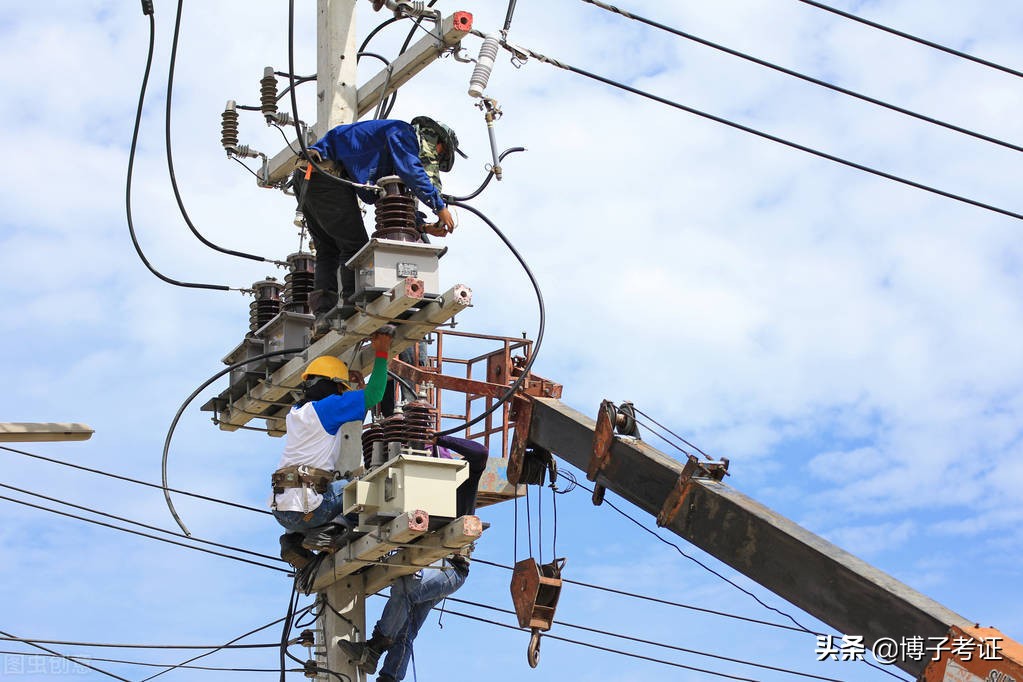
pixel 658 600
pixel 915 39
pixel 131 170
pixel 767 136
pixel 137 523
pixel 135 480
pixel 610 650
pixel 508 17
pixel 724 578
pixel 107 645
pixel 490 175
pixel 145 535
pixel 418 23
pixel 294 110
pixel 170 155
pixel 11 638
pixel 79 659
pixel 805 77
pixel 174 422
pixel 695 652
pixel 539 334
pixel 216 649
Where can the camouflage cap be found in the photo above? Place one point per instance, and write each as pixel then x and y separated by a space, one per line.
pixel 430 132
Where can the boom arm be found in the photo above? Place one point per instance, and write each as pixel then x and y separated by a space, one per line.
pixel 806 570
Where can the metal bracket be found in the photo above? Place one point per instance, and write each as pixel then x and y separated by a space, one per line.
pixel 693 468
pixel 517 452
pixel 603 437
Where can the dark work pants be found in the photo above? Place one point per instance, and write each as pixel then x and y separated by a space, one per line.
pixel 335 223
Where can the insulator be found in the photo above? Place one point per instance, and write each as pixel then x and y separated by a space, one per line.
pixel 484 66
pixel 395 212
pixel 268 92
pixel 266 305
pixel 298 283
pixel 229 127
pixel 373 434
pixel 244 151
pixel 419 421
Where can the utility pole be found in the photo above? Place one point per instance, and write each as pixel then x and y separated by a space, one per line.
pixel 340 582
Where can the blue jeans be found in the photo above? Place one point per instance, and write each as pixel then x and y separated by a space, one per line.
pixel 410 602
pixel 330 507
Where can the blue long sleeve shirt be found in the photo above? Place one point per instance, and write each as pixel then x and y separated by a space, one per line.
pixel 370 150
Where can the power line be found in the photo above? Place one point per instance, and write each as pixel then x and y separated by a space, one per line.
pixel 131 169
pixel 640 640
pixel 610 650
pixel 134 480
pixel 107 645
pixel 806 77
pixel 146 535
pixel 658 600
pixel 79 659
pixel 11 638
pixel 137 523
pixel 915 39
pixel 219 648
pixel 767 136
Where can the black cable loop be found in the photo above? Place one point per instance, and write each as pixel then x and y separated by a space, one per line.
pixel 490 176
pixel 539 335
pixel 145 664
pixel 170 156
pixel 404 46
pixel 134 480
pixel 915 39
pixel 807 78
pixel 136 523
pixel 145 535
pixel 174 422
pixel 131 170
pixel 768 136
pixel 294 108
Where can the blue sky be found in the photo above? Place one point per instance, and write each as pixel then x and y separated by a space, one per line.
pixel 851 344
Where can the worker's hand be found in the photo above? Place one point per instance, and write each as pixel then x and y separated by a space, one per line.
pixel 444 218
pixel 435 230
pixel 381 340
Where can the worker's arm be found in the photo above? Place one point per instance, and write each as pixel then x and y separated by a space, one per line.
pixel 474 453
pixel 405 152
pixel 377 384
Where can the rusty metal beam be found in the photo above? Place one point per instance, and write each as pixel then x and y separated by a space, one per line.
pixel 808 571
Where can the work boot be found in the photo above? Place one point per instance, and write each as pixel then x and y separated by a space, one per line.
pixel 366 655
pixel 293 552
pixel 327 538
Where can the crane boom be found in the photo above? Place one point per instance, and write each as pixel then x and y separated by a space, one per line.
pixel 801 567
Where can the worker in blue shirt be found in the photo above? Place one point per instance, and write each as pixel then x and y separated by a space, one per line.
pixel 364 152
pixel 308 481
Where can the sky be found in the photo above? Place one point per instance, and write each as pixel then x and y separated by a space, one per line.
pixel 848 342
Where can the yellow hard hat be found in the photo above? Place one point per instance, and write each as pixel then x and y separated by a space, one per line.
pixel 326 366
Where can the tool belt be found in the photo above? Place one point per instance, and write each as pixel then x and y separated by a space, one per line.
pixel 302 477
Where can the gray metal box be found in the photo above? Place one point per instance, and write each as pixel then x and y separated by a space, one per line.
pixel 382 263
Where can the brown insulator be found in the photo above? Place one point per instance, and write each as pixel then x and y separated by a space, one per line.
pixel 267 303
pixel 229 126
pixel 268 93
pixel 298 283
pixel 371 435
pixel 396 212
pixel 394 429
pixel 420 417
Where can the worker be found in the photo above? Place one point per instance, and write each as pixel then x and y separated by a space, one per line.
pixel 307 484
pixel 364 152
pixel 412 596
